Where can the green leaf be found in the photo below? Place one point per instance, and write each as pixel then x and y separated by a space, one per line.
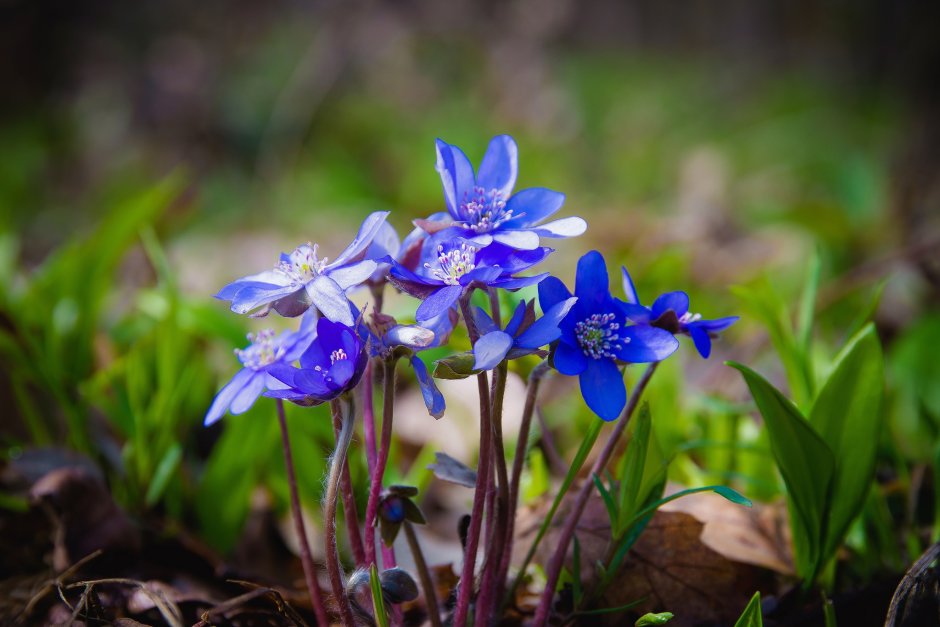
pixel 751 616
pixel 163 474
pixel 459 366
pixel 654 619
pixel 378 601
pixel 806 464
pixel 847 414
pixel 607 498
pixel 725 491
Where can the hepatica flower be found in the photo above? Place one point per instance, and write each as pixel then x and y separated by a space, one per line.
pixel 441 279
pixel 331 365
pixel 670 311
pixel 266 351
pixel 483 207
pixel 522 336
pixel 595 338
pixel 302 278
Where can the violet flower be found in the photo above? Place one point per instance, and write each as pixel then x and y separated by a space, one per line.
pixel 265 352
pixel 482 206
pixel 670 311
pixel 302 279
pixel 522 336
pixel 331 365
pixel 441 281
pixel 595 338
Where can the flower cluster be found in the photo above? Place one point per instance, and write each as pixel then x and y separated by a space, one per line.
pixel 488 238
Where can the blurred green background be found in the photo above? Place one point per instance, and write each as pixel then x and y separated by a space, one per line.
pixel 150 152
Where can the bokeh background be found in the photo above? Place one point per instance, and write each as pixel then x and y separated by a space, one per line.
pixel 152 151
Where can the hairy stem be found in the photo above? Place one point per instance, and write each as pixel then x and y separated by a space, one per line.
pixel 350 511
pixel 368 421
pixel 310 573
pixel 333 566
pixel 427 584
pixel 553 570
pixel 385 444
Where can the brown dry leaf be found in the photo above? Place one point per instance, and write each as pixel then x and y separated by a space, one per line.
pixel 758 535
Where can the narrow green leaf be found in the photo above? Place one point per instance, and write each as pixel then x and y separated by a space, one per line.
pixel 751 616
pixel 806 464
pixel 829 611
pixel 804 324
pixel 847 414
pixel 607 498
pixel 163 474
pixel 631 480
pixel 378 601
pixel 609 610
pixel 654 619
pixel 725 491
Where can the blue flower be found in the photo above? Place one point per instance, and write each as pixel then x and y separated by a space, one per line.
pixel 458 263
pixel 388 338
pixel 265 352
pixel 331 365
pixel 302 279
pixel 670 311
pixel 522 336
pixel 482 206
pixel 595 337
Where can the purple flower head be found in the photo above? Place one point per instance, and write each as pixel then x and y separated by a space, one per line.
pixel 595 337
pixel 522 336
pixel 482 206
pixel 442 279
pixel 670 311
pixel 265 352
pixel 331 365
pixel 302 279
pixel 388 244
pixel 388 338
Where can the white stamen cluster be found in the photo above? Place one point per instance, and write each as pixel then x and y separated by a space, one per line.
pixel 262 352
pixel 485 211
pixel 688 317
pixel 303 265
pixel 338 355
pixel 453 264
pixel 597 336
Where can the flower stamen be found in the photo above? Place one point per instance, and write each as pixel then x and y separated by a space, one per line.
pixel 485 211
pixel 303 265
pixel 598 336
pixel 453 264
pixel 263 350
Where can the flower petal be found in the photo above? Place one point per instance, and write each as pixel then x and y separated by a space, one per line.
pixel 629 291
pixel 225 396
pixel 357 248
pixel 249 393
pixel 521 240
pixel 438 302
pixel 591 284
pixel 637 313
pixel 531 206
pixel 456 176
pixel 410 335
pixel 643 344
pixel 330 299
pixel 674 301
pixel 490 349
pixel 518 315
pixel 484 274
pixel 268 277
pixel 603 389
pixel 482 320
pixel 717 325
pixel 519 282
pixel 252 295
pixel 500 165
pixel 545 330
pixel 353 274
pixel 433 399
pixel 703 343
pixel 551 292
pixel 565 227
pixel 570 360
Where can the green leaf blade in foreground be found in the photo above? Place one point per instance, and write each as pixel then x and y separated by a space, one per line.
pixel 847 415
pixel 807 465
pixel 751 616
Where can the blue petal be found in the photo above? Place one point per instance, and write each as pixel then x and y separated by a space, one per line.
pixel 569 360
pixel 565 227
pixel 715 326
pixel 521 240
pixel 519 282
pixel 433 399
pixel 499 166
pixel 490 349
pixel 252 295
pixel 533 205
pixel 267 278
pixel 603 389
pixel 249 393
pixel 411 283
pixel 636 313
pixel 385 243
pixel 485 275
pixel 518 315
pixel 357 248
pixel 224 398
pixel 629 290
pixel 642 344
pixel 551 292
pixel 545 330
pixel 411 335
pixel 340 375
pixel 675 301
pixel 591 285
pixel 330 299
pixel 354 274
pixel 442 326
pixel 482 321
pixel 703 343
pixel 456 176
pixel 438 302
